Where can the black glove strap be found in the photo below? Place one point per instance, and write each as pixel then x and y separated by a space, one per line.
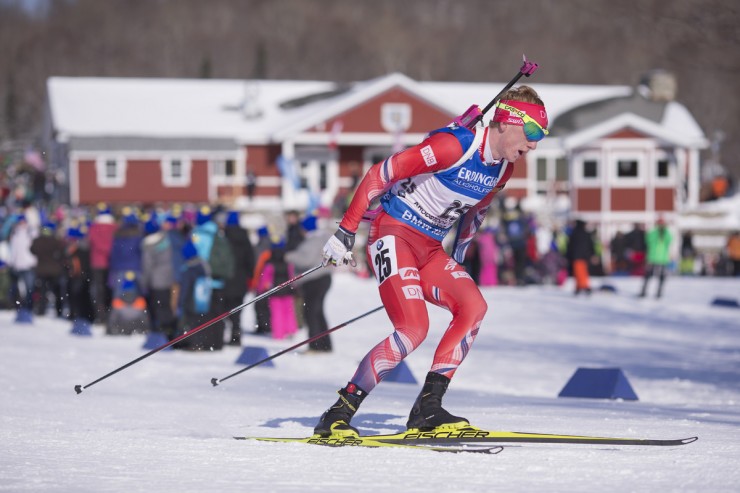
pixel 347 238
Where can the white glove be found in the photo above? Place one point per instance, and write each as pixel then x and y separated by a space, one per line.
pixel 338 250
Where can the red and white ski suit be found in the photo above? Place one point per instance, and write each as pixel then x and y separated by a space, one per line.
pixel 426 190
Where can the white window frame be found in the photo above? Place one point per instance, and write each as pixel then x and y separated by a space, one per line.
pixel 661 155
pixel 308 163
pixel 186 166
pixel 395 117
pixel 543 187
pixel 638 181
pixel 218 167
pixel 101 176
pixel 541 184
pixel 309 173
pixel 580 177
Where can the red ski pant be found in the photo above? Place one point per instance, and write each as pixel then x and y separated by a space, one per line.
pixel 412 269
pixel 580 272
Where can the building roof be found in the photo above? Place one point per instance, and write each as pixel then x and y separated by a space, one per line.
pixel 173 108
pixel 668 120
pixel 262 111
pixel 598 111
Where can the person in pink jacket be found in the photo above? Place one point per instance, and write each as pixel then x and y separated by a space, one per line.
pixel 100 237
pixel 275 272
pixel 488 251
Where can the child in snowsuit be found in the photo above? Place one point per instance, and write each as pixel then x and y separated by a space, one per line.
pixel 128 313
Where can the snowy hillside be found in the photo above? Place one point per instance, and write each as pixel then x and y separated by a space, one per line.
pixel 160 425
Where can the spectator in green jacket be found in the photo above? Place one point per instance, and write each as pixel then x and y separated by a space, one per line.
pixel 658 242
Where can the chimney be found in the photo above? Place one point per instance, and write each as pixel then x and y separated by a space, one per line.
pixel 659 85
pixel 250 105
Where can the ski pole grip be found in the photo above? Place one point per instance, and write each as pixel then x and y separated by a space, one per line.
pixel 528 68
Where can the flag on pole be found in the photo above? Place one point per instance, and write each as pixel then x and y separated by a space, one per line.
pixel 336 129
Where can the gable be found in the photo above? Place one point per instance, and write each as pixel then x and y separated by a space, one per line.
pixel 366 117
pixel 627 133
pixel 627 125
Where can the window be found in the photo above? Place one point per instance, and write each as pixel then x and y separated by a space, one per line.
pixel 551 172
pixel 314 174
pixel 627 168
pixel 541 169
pixel 561 169
pixel 110 171
pixel 224 168
pixel 316 178
pixel 176 171
pixel 662 168
pixel 665 169
pixel 395 117
pixel 322 176
pixel 590 168
pixel 304 175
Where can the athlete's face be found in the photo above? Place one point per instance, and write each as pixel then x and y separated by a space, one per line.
pixel 509 142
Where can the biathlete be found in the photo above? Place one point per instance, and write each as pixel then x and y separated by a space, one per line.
pixel 449 178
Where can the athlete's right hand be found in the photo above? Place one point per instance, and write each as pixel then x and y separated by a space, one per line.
pixel 338 250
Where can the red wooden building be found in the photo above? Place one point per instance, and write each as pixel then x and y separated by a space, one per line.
pixel 616 154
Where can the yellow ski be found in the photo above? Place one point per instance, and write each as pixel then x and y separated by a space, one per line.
pixel 360 441
pixel 469 439
pixel 474 435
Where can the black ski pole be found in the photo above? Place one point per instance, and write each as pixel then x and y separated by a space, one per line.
pixel 80 388
pixel 216 381
pixel 473 115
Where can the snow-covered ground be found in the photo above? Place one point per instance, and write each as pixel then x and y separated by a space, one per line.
pixel 160 426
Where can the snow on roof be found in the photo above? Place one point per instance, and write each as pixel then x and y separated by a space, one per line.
pixel 628 120
pixel 715 215
pixel 359 93
pixel 218 108
pixel 677 118
pixel 170 107
pixel 558 98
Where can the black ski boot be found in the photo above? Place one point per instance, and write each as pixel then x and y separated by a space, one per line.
pixel 335 421
pixel 428 412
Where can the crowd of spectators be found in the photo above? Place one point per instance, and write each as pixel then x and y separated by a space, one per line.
pixel 512 249
pixel 157 270
pixel 170 270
